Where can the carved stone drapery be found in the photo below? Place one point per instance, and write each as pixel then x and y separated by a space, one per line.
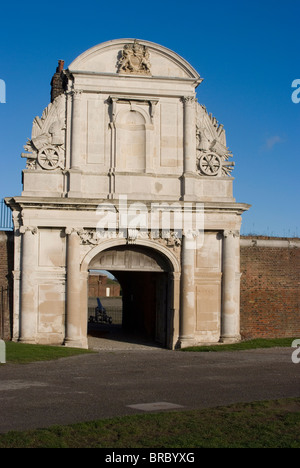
pixel 171 239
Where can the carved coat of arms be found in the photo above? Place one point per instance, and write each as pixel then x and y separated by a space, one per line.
pixel 135 60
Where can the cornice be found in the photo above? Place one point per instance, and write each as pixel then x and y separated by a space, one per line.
pixel 81 204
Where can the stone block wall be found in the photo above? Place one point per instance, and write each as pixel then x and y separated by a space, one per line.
pixel 6 282
pixel 270 287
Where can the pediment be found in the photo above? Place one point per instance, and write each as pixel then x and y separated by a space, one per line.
pixel 119 57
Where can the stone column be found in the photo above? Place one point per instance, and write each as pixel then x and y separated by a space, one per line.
pixel 187 293
pixel 75 169
pixel 189 150
pixel 189 134
pixel 28 312
pixel 75 317
pixel 76 130
pixel 230 302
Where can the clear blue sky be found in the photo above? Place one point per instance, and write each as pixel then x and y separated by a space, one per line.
pixel 247 53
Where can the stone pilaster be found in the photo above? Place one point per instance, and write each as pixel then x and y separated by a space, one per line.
pixel 230 331
pixel 76 160
pixel 76 320
pixel 189 138
pixel 187 293
pixel 28 313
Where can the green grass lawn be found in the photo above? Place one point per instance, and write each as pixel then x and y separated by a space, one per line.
pixel 243 345
pixel 269 424
pixel 22 353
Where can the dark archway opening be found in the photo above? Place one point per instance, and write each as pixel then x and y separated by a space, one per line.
pixel 145 304
pixel 146 311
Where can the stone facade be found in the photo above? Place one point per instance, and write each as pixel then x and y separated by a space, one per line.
pixel 270 294
pixel 126 144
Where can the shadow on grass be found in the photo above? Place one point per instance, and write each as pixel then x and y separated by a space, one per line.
pixel 267 424
pixel 243 345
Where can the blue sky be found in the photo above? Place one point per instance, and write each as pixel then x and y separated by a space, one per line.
pixel 247 53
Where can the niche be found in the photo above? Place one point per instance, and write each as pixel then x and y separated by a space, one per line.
pixel 131 141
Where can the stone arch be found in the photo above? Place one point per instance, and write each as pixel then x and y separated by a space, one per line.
pixel 102 58
pixel 142 119
pixel 149 273
pixel 148 243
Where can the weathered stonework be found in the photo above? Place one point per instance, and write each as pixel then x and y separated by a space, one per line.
pixel 128 125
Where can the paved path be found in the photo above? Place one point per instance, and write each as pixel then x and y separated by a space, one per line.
pixel 111 383
pixel 113 338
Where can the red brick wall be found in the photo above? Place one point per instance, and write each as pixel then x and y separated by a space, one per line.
pixel 270 288
pixel 6 283
pixel 98 285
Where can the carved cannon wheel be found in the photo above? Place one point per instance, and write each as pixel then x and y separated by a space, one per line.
pixel 48 158
pixel 210 164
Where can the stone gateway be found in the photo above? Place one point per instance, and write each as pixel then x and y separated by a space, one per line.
pixel 127 172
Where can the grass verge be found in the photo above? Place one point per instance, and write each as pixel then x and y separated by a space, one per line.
pixel 22 353
pixel 268 424
pixel 243 345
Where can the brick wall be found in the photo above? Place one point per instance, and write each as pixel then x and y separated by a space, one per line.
pixel 6 282
pixel 98 285
pixel 58 82
pixel 270 287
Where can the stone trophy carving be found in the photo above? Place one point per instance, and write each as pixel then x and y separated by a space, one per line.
pixel 171 239
pixel 212 153
pixel 135 60
pixel 46 148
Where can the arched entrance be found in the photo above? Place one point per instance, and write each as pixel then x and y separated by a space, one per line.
pixel 146 276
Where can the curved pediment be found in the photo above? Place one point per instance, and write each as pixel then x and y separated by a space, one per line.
pixel 134 57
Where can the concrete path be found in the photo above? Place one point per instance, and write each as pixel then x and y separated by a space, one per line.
pixel 113 382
